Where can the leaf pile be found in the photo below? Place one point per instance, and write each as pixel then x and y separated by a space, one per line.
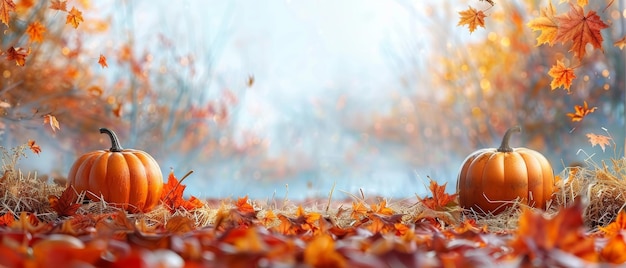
pixel 431 232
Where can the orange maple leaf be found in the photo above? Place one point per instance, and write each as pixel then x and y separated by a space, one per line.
pixel 18 55
pixel 359 210
pixel 65 205
pixel 74 17
pixel 601 140
pixel 580 29
pixel 6 6
pixel 621 43
pixel 34 147
pixel 547 24
pixel 321 252
pixel 561 76
pixel 613 250
pixel 473 18
pixel 581 111
pixel 58 5
pixel 243 206
pixel 52 121
pixel 7 219
pixel 614 228
pixel 172 195
pixel 35 31
pixel 103 61
pixel 440 199
pixel 538 237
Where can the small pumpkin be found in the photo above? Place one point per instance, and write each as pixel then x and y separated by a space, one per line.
pixel 126 178
pixel 490 178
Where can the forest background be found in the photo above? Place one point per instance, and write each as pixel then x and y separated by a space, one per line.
pixel 370 95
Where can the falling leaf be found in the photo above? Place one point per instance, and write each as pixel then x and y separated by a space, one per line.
pixel 473 18
pixel 581 111
pixel 6 6
pixel 34 147
pixel 74 17
pixel 35 31
pixel 65 205
pixel 547 24
pixel 52 121
pixel 561 76
pixel 18 55
pixel 58 5
pixel 583 3
pixel 601 140
pixel 103 61
pixel 580 29
pixel 250 82
pixel 620 43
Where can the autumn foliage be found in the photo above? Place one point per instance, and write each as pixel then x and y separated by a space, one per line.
pixel 510 74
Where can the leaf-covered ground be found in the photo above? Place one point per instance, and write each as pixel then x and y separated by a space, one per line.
pixel 44 226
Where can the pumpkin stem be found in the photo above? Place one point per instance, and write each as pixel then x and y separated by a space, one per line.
pixel 115 143
pixel 504 147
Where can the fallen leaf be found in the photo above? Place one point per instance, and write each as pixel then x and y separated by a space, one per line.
pixel 180 225
pixel 601 140
pixel 581 29
pixel 6 6
pixel 58 5
pixel 65 205
pixel 543 239
pixel 547 24
pixel 18 55
pixel 74 17
pixel 440 199
pixel 581 111
pixel 172 195
pixel 472 18
pixel 7 219
pixel 614 228
pixel 321 252
pixel 359 210
pixel 52 121
pixel 561 76
pixel 34 147
pixel 613 250
pixel 243 206
pixel 35 31
pixel 103 61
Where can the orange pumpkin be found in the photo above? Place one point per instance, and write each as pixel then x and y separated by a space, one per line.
pixel 491 178
pixel 126 178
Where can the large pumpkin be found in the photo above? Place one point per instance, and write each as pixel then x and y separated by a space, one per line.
pixel 126 178
pixel 491 178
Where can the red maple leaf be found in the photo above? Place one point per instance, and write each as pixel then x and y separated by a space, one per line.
pixel 581 29
pixel 172 195
pixel 65 205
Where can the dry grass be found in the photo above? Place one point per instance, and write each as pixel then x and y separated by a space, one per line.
pixel 601 186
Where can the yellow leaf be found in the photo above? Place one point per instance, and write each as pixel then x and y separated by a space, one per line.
pixel 472 18
pixel 6 6
pixel 52 121
pixel 74 17
pixel 547 24
pixel 561 76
